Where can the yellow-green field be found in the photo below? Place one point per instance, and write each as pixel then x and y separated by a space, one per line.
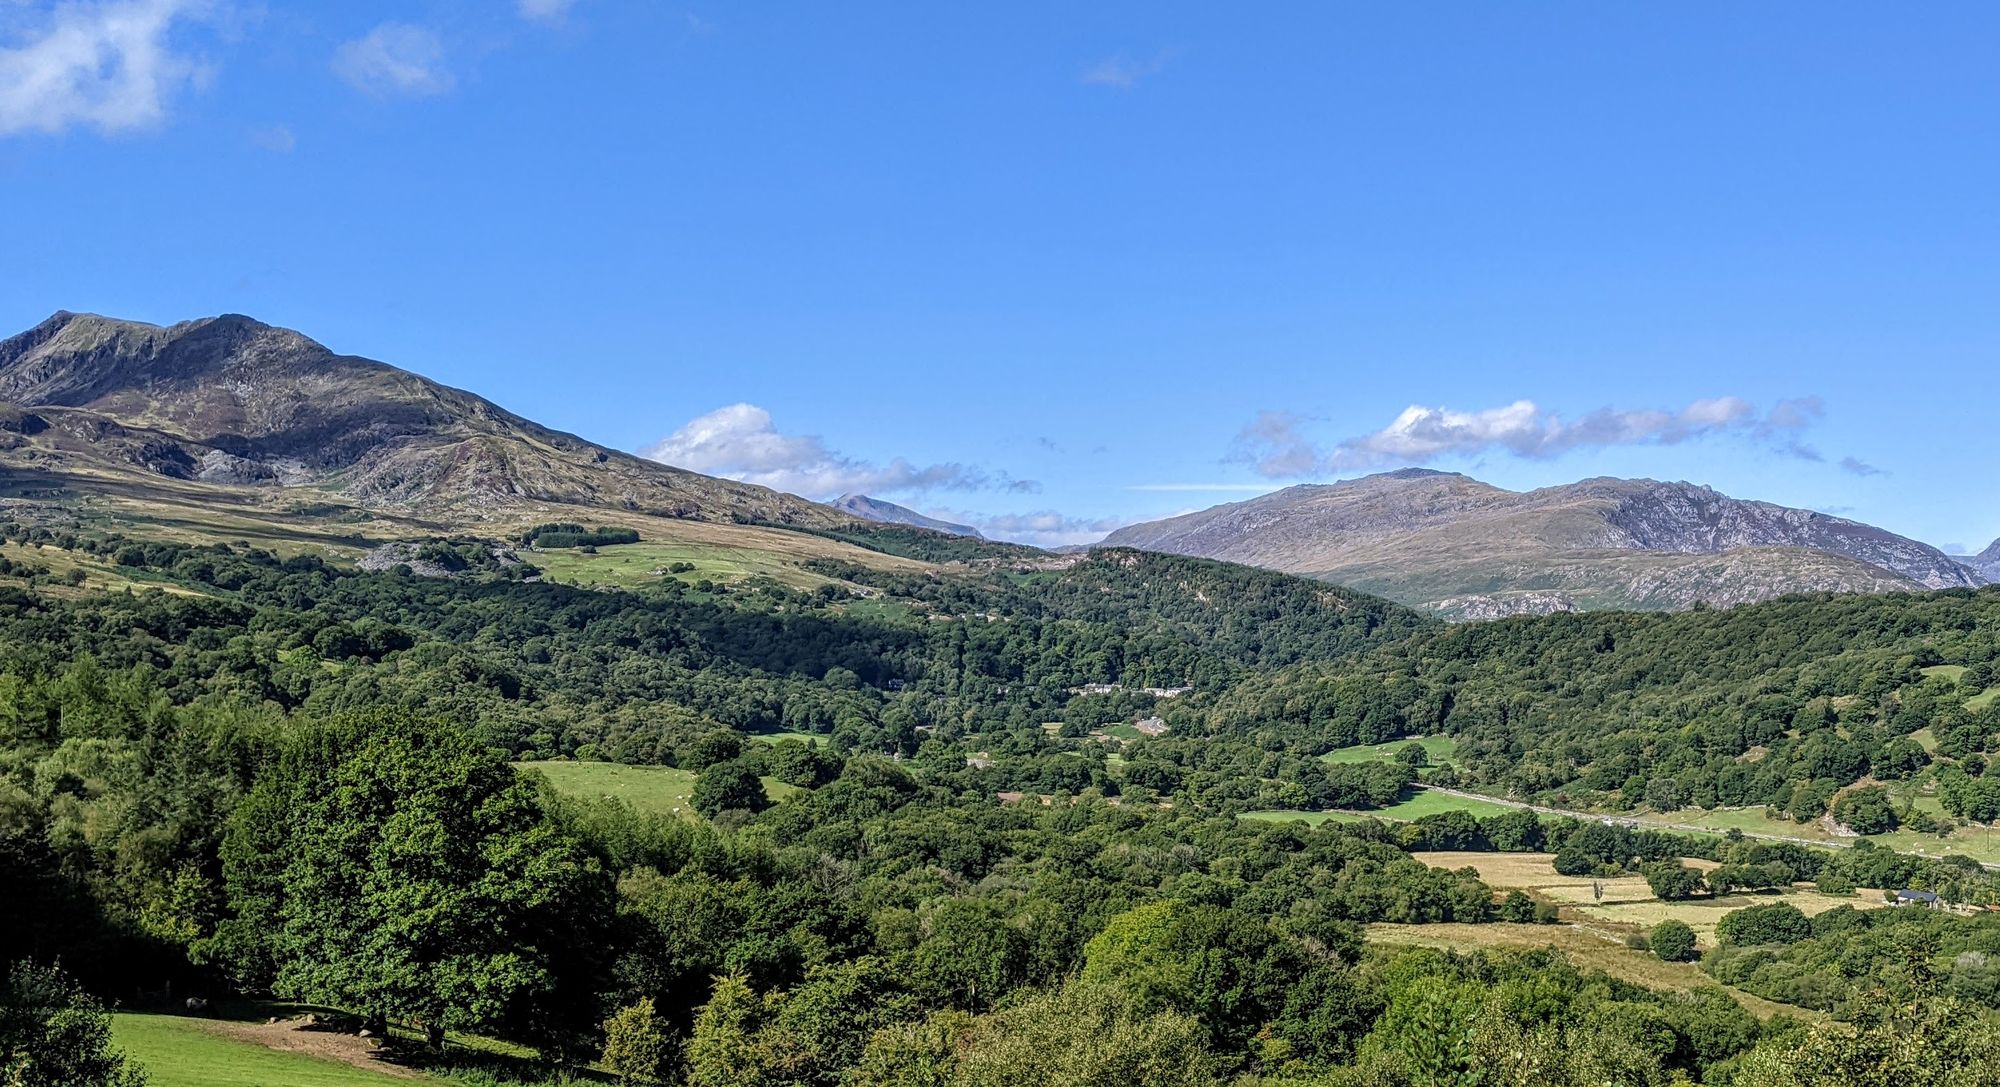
pixel 663 789
pixel 1581 946
pixel 630 566
pixel 1628 904
pixel 1423 803
pixel 1978 842
pixel 1438 748
pixel 99 575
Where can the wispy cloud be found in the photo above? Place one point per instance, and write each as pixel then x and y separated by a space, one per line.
pixel 1171 488
pixel 110 66
pixel 544 11
pixel 1121 72
pixel 395 59
pixel 742 442
pixel 1857 467
pixel 1277 447
pixel 277 139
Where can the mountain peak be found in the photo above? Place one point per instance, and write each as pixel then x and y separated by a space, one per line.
pixel 233 401
pixel 889 513
pixel 1416 473
pixel 1473 550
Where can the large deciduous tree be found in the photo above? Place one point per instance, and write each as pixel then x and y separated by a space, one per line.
pixel 396 867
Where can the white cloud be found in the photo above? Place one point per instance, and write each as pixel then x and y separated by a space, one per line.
pixel 108 65
pixel 1274 444
pixel 395 59
pixel 1182 488
pixel 1041 528
pixel 1121 72
pixel 544 11
pixel 277 139
pixel 741 442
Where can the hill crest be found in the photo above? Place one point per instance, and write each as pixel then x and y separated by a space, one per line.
pixel 1470 549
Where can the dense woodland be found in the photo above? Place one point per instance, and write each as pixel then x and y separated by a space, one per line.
pixel 282 778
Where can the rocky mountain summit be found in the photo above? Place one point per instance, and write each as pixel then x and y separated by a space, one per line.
pixel 91 403
pixel 1987 562
pixel 881 512
pixel 1471 550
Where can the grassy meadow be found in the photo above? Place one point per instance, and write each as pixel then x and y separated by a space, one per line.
pixel 180 1051
pixel 662 789
pixel 1628 905
pixel 1438 748
pixel 1426 802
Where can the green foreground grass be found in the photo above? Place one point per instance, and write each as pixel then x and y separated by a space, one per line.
pixel 178 1051
pixel 663 789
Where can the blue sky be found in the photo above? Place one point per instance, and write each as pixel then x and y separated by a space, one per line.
pixel 1053 267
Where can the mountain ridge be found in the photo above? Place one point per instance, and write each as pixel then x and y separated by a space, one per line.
pixel 1472 550
pixel 889 513
pixel 230 400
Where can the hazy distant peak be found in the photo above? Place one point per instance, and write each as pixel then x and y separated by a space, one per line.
pixel 875 509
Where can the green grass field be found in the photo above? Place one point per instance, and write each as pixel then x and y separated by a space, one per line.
pixel 1439 748
pixel 630 566
pixel 1418 806
pixel 181 1052
pixel 781 737
pixel 1978 842
pixel 663 789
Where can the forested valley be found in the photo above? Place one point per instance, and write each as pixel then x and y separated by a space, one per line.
pixel 975 826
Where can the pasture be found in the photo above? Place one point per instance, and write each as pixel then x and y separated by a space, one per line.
pixel 1425 802
pixel 179 1051
pixel 662 789
pixel 1437 748
pixel 1628 905
pixel 1584 947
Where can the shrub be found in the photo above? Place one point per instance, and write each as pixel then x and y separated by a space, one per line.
pixel 1673 941
pixel 1777 923
pixel 1672 880
pixel 637 1047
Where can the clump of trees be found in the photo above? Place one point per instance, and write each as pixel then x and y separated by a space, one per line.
pixel 562 534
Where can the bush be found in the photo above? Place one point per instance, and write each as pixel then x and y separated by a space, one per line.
pixel 637 1047
pixel 1673 941
pixel 1672 880
pixel 1517 907
pixel 728 786
pixel 1866 811
pixel 1777 923
pixel 51 1032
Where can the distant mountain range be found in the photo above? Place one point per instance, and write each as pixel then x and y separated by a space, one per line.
pixel 92 404
pixel 1467 549
pixel 889 513
pixel 1987 562
pixel 228 428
